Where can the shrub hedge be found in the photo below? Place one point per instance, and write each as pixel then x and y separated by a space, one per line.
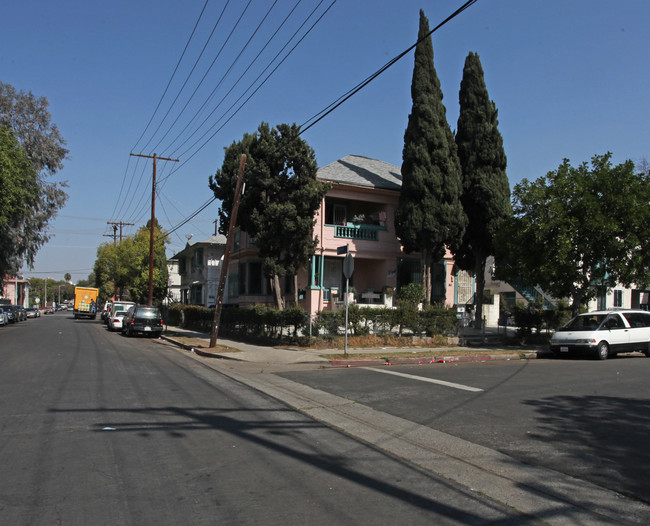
pixel 269 323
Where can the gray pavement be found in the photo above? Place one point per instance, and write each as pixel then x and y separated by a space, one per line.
pixel 263 354
pixel 534 493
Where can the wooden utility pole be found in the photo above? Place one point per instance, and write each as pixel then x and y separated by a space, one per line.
pixel 114 236
pixel 226 256
pixel 115 225
pixel 153 215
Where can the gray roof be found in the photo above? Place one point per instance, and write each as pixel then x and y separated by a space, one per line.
pixel 362 171
pixel 211 241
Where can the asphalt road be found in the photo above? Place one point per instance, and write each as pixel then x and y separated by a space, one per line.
pixel 97 428
pixel 585 418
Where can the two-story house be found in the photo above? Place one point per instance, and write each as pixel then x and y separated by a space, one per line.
pixel 199 268
pixel 15 291
pixel 357 213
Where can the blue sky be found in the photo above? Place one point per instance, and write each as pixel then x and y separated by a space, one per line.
pixel 569 78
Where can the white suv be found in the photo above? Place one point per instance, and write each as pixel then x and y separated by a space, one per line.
pixel 604 333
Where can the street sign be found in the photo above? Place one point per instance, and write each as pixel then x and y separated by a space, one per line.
pixel 348 266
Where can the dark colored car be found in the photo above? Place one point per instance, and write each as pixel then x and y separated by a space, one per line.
pixel 143 319
pixel 13 312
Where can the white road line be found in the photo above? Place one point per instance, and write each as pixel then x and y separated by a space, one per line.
pixel 423 379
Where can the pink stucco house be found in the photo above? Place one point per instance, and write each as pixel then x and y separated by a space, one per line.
pixel 15 291
pixel 357 212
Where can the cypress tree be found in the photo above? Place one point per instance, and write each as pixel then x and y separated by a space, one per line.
pixel 486 191
pixel 429 215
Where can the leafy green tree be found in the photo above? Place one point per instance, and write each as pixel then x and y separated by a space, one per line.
pixel 105 269
pixel 486 191
pixel 281 198
pixel 26 122
pixel 125 267
pixel 429 215
pixel 88 282
pixel 37 290
pixel 18 187
pixel 578 230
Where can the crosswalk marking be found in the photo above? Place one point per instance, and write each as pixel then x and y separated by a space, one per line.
pixel 423 379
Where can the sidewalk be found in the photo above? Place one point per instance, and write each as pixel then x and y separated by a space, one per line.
pixel 246 352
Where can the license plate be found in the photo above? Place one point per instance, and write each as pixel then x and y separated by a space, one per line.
pixel 564 349
pixel 147 329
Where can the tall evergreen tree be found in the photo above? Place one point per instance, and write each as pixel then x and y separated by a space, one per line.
pixel 429 215
pixel 486 191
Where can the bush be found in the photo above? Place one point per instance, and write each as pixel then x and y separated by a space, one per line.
pixel 258 321
pixel 411 294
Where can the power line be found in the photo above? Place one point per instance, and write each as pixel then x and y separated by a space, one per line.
pixel 214 28
pixel 214 61
pixel 186 152
pixel 338 102
pixel 126 171
pixel 209 98
pixel 331 107
pixel 172 76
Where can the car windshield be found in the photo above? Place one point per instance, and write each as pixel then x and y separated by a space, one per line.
pixel 585 322
pixel 120 314
pixel 148 312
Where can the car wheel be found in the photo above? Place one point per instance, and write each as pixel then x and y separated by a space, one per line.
pixel 647 350
pixel 602 351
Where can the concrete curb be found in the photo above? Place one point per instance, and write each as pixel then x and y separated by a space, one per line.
pixel 198 351
pixel 350 361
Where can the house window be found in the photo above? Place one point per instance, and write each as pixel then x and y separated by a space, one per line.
pixel 196 294
pixel 618 298
pixel 464 287
pixel 233 286
pixel 255 278
pixel 182 267
pixel 438 282
pixel 408 271
pixel 601 300
pixel 197 258
pixel 242 279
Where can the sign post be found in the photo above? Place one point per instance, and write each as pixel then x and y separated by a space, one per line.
pixel 348 270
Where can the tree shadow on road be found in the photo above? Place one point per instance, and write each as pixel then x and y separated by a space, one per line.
pixel 603 439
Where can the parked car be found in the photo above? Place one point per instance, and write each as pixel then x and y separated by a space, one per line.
pixel 604 333
pixel 105 312
pixel 145 319
pixel 31 312
pixel 11 315
pixel 117 305
pixel 22 312
pixel 4 317
pixel 14 313
pixel 48 310
pixel 115 321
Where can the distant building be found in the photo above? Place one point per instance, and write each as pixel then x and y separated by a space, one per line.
pixel 15 291
pixel 199 270
pixel 174 282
